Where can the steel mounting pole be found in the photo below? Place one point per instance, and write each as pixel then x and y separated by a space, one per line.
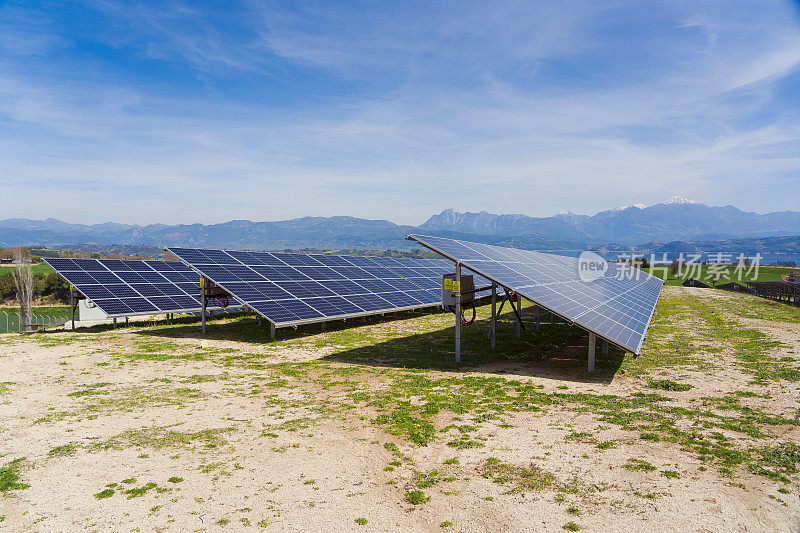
pixel 605 347
pixel 519 315
pixel 72 306
pixel 204 301
pixel 536 316
pixel 494 315
pixel 272 331
pixel 457 294
pixel 592 340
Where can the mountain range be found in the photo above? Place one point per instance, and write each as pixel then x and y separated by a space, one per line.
pixel 676 219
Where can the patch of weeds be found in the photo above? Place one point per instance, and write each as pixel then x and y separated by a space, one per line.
pixel 222 521
pixel 520 478
pixel 777 462
pixel 140 491
pixel 652 437
pixel 361 521
pixel 161 437
pixel 9 476
pixel 63 451
pixel 263 523
pixel 175 479
pixel 670 474
pixel 605 445
pixel 401 422
pixel 647 496
pixel 579 436
pixel 489 498
pixel 571 526
pixel 668 385
pixel 451 461
pixel 464 442
pixel 638 465
pixel 573 510
pixel 417 497
pixel 446 523
pixel 90 390
pixel 105 493
pixel 424 481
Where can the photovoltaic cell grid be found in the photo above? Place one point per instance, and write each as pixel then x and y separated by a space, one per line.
pixel 618 307
pixel 290 289
pixel 132 287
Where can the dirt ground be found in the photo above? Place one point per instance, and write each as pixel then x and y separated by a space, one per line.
pixel 186 434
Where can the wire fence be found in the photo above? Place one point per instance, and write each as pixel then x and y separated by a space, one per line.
pixel 11 322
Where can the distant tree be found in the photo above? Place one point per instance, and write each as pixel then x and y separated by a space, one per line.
pixel 169 256
pixel 24 281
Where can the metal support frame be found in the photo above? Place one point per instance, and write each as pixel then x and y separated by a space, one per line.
pixel 114 321
pixel 72 307
pixel 605 347
pixel 458 313
pixel 536 316
pixel 493 331
pixel 272 331
pixel 204 302
pixel 592 341
pixel 519 315
pixel 520 325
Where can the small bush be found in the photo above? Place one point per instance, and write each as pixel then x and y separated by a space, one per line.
pixel 417 497
pixel 669 385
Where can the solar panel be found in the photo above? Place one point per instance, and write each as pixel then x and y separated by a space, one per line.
pixel 291 289
pixel 617 307
pixel 132 287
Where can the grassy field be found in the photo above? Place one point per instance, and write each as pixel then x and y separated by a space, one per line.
pixel 723 275
pixel 40 268
pixel 370 424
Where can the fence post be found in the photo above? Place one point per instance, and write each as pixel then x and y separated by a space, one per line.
pixel 6 331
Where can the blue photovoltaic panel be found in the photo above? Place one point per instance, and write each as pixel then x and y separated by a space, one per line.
pixel 290 289
pixel 133 287
pixel 617 307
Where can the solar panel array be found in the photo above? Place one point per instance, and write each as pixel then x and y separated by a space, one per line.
pixel 290 289
pixel 132 287
pixel 618 306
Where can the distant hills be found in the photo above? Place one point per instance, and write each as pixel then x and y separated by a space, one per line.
pixel 676 219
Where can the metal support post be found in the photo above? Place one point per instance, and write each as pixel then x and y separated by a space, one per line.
pixel 592 340
pixel 605 347
pixel 126 320
pixel 72 306
pixel 552 318
pixel 272 331
pixel 519 315
pixel 536 316
pixel 493 329
pixel 204 301
pixel 259 319
pixel 458 313
pixel 114 321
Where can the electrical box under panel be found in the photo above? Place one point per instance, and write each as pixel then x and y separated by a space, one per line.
pixel 450 289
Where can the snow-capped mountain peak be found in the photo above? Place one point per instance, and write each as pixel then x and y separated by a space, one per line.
pixel 678 200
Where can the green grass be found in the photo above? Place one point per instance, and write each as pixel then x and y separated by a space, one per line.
pixel 517 479
pixel 417 497
pixel 10 476
pixel 38 268
pixel 668 385
pixel 728 274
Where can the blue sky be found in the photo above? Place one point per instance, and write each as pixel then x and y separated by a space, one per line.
pixel 181 112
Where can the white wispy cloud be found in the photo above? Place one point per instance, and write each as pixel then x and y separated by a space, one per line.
pixel 388 111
